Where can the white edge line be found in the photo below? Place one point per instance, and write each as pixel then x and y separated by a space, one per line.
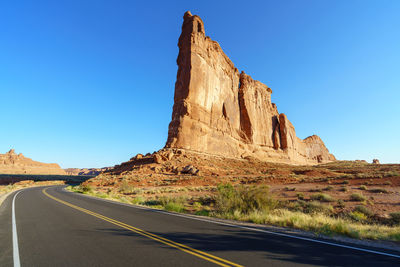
pixel 14 235
pixel 243 227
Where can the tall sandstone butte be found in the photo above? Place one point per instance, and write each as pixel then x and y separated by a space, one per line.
pixel 219 111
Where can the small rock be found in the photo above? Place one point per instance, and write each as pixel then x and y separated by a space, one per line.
pixel 170 155
pixel 190 169
pixel 375 161
pixel 157 159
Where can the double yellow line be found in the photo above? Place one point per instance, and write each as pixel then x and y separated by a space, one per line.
pixel 184 248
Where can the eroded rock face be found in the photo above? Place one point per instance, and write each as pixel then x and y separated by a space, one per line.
pixel 11 163
pixel 218 110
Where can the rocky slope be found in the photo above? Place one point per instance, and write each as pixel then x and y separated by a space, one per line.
pixel 221 111
pixel 12 163
pixel 86 171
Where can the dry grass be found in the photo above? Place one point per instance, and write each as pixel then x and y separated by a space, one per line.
pixel 319 223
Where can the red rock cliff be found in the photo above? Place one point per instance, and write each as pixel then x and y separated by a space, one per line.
pixel 218 110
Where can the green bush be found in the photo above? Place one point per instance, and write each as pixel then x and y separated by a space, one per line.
pixel 300 196
pixel 357 216
pixel 364 210
pixel 138 200
pixel 363 187
pixel 357 197
pixel 202 212
pixel 243 199
pixel 174 206
pixel 322 197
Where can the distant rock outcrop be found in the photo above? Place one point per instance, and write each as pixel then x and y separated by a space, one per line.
pixel 86 171
pixel 218 110
pixel 11 163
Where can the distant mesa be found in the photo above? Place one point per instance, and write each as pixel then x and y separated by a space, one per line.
pixel 221 111
pixel 12 163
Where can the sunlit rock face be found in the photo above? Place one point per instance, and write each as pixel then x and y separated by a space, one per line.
pixel 219 110
pixel 12 163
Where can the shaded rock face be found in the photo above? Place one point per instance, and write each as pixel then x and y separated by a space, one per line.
pixel 218 110
pixel 12 163
pixel 86 171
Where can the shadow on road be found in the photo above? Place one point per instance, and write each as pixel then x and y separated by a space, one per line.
pixel 236 244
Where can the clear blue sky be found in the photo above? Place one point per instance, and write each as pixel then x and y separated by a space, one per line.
pixel 91 83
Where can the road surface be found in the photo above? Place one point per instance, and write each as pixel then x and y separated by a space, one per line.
pixel 53 227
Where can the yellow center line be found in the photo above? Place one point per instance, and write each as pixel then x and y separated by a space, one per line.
pixel 182 247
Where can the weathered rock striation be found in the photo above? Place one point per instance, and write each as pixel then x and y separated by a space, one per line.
pixel 12 163
pixel 220 111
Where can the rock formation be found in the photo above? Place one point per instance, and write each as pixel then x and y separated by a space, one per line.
pixel 218 110
pixel 11 163
pixel 86 171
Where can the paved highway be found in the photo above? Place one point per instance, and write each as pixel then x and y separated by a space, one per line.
pixel 57 228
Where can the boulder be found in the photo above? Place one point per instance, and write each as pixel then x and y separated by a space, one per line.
pixel 190 169
pixel 157 158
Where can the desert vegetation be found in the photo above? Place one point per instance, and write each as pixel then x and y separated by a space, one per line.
pixel 318 212
pixel 350 198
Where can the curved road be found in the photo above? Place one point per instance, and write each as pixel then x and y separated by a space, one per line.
pixel 58 228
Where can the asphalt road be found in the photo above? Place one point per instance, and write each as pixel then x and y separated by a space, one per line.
pixel 58 228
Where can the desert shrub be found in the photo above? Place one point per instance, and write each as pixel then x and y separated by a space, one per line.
pixel 357 197
pixel 243 199
pixel 395 217
pixel 346 182
pixel 364 210
pixel 391 174
pixel 138 200
pixel 362 175
pixel 197 205
pixel 206 200
pixel 202 212
pixel 300 196
pixel 85 188
pixel 363 187
pixel 340 203
pixel 357 216
pixel 387 183
pixel 328 188
pixel 101 195
pixel 126 188
pixel 322 197
pixel 343 189
pixel 174 206
pixel 314 207
pixel 290 189
pixel 378 190
pixel 316 190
